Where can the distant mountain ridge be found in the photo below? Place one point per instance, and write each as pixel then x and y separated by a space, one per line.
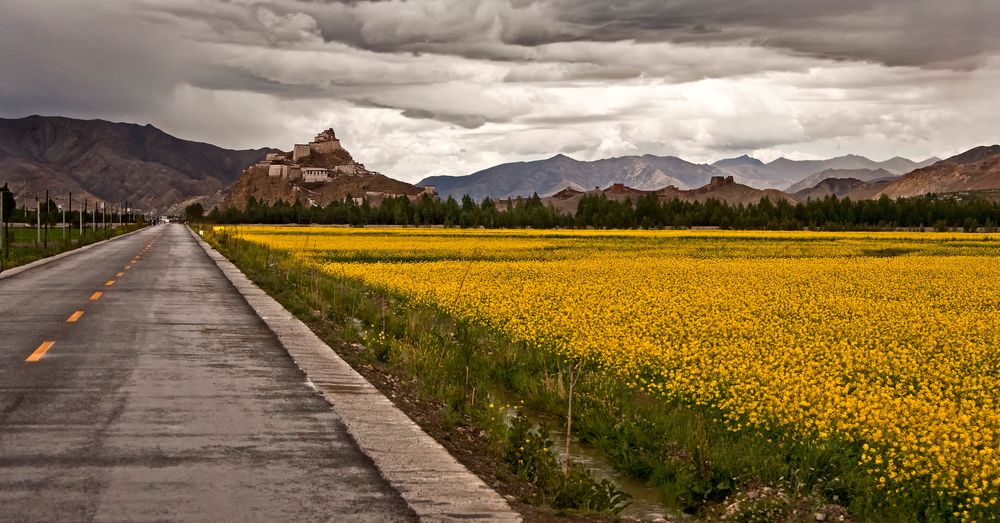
pixel 977 169
pixel 864 175
pixel 974 170
pixel 852 188
pixel 720 188
pixel 113 162
pixel 783 173
pixel 649 172
pixel 546 177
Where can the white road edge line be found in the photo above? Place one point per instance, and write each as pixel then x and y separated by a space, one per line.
pixel 431 481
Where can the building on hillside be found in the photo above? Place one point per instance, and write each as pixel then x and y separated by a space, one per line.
pixel 320 160
pixel 325 143
pixel 348 168
pixel 566 193
pixel 718 181
pixel 620 189
pixel 275 157
pixel 300 152
pixel 277 171
pixel 315 174
pixel 670 191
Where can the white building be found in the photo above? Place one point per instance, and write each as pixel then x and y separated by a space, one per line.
pixel 348 168
pixel 315 174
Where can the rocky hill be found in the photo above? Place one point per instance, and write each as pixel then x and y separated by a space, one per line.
pixel 852 188
pixel 113 162
pixel 864 175
pixel 974 170
pixel 316 173
pixel 718 188
pixel 268 189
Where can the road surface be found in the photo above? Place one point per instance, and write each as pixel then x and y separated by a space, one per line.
pixel 136 384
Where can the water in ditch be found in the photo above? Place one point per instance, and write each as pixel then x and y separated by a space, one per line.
pixel 647 504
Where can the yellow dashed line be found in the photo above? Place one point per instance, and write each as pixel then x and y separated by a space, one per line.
pixel 109 283
pixel 120 274
pixel 40 351
pixel 75 316
pixel 96 296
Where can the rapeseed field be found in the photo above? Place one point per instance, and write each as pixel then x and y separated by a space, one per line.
pixel 885 342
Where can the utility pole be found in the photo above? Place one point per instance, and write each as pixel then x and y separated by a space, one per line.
pixel 46 244
pixel 38 222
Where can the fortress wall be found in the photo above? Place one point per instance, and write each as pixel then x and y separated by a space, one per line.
pixel 301 151
pixel 324 147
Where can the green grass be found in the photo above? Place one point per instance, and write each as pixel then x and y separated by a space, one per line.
pixel 21 245
pixel 699 464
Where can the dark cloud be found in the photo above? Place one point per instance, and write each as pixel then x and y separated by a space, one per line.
pixel 432 80
pixel 468 121
pixel 931 33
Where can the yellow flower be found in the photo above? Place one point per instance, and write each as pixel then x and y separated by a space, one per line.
pixel 887 340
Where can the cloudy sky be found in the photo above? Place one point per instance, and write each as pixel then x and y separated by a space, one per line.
pixel 424 87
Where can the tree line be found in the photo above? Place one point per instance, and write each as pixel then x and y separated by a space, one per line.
pixel 598 211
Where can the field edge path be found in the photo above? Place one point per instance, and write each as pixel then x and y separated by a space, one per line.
pixel 431 481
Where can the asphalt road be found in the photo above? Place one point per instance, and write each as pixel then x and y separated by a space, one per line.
pixel 166 399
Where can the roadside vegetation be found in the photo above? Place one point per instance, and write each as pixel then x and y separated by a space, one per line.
pixel 21 243
pixel 27 235
pixel 748 376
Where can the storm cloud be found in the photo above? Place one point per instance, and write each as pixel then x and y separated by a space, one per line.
pixel 422 87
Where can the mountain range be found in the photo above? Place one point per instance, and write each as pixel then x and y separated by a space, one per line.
pixel 113 162
pixel 155 171
pixel 649 172
pixel 783 173
pixel 546 177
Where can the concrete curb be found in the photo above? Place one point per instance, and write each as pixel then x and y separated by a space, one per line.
pixel 431 481
pixel 44 261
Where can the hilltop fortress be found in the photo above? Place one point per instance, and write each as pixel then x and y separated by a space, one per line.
pixel 319 161
pixel 317 173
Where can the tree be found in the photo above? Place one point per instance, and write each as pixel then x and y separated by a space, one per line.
pixel 194 212
pixel 8 202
